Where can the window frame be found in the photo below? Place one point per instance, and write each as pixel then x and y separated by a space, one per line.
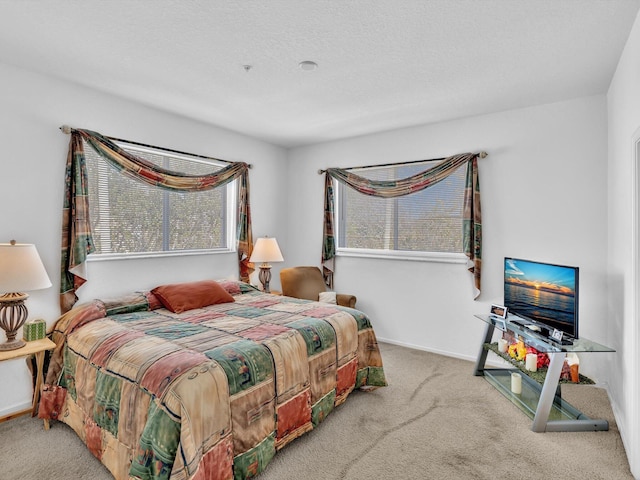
pixel 230 216
pixel 405 255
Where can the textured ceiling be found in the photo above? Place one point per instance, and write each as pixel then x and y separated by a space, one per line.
pixel 382 64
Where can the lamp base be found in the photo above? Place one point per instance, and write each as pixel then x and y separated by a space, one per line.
pixel 265 277
pixel 13 314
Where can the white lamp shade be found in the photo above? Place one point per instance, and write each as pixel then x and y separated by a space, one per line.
pixel 21 269
pixel 266 250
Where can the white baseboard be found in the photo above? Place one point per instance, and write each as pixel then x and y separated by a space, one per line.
pixel 493 362
pixel 625 435
pixel 13 409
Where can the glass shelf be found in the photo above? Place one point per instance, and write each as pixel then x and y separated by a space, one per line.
pixel 541 342
pixel 539 375
pixel 527 401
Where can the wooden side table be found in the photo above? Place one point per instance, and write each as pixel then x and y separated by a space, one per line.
pixel 36 347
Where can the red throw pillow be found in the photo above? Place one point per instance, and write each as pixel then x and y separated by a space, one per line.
pixel 180 297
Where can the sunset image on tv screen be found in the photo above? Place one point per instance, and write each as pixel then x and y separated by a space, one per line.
pixel 541 292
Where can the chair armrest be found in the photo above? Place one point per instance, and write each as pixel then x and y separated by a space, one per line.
pixel 346 300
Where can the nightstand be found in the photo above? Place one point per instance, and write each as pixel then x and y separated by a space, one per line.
pixel 36 347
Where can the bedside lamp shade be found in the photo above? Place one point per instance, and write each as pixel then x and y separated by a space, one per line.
pixel 266 250
pixel 20 270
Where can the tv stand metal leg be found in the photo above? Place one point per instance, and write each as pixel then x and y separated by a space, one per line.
pixel 482 355
pixel 548 392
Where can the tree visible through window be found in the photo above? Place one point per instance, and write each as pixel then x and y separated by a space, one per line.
pixel 425 221
pixel 130 217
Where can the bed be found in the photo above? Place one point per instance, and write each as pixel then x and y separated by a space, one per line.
pixel 164 384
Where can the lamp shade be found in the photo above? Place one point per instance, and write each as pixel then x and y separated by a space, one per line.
pixel 266 250
pixel 21 269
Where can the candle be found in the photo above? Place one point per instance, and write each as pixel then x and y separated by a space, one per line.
pixel 574 365
pixel 531 362
pixel 502 345
pixel 516 383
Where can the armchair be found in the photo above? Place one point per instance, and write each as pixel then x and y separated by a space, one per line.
pixel 307 283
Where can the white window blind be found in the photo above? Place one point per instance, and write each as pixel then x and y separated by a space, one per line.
pixel 129 217
pixel 425 221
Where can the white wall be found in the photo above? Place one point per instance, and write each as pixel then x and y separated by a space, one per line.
pixel 33 155
pixel 543 198
pixel 624 130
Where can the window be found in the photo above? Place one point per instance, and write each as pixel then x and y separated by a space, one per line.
pixel 429 221
pixel 130 218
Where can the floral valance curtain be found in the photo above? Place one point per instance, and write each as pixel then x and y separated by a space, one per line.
pixel 472 220
pixel 77 241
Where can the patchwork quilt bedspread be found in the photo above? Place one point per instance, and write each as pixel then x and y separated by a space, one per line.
pixel 210 393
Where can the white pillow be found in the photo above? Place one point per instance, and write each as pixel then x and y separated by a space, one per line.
pixel 327 297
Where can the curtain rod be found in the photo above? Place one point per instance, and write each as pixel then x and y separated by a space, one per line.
pixel 320 172
pixel 67 129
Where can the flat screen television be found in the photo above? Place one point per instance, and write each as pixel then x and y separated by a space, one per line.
pixel 543 293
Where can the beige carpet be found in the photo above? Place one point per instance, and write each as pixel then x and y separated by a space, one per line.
pixel 434 421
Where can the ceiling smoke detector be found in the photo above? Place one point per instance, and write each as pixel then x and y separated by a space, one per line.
pixel 308 65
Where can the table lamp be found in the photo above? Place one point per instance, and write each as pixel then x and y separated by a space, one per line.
pixel 266 250
pixel 20 270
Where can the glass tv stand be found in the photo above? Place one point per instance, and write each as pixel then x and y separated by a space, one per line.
pixel 543 403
